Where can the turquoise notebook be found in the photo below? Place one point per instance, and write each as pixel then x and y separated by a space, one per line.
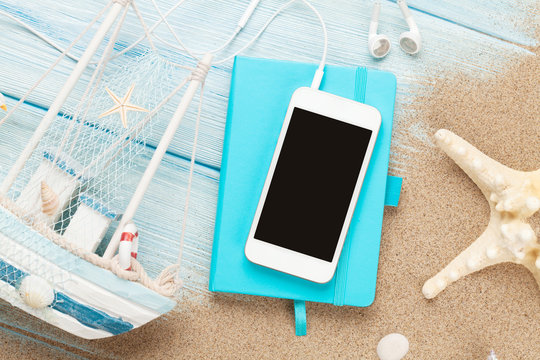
pixel 259 97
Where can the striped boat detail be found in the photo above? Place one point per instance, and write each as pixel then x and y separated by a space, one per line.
pixel 86 315
pixel 82 290
pixel 17 232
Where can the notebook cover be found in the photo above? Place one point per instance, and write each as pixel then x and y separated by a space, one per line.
pixel 260 93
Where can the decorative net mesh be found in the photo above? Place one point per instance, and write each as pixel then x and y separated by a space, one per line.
pixel 81 175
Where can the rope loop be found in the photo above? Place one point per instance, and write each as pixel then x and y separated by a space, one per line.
pixel 165 284
pixel 200 72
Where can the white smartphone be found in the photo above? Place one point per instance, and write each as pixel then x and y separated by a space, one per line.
pixel 313 183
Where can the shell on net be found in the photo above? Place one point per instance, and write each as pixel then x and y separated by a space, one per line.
pixel 36 292
pixel 49 200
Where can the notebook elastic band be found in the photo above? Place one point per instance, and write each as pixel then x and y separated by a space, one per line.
pixel 393 190
pixel 300 317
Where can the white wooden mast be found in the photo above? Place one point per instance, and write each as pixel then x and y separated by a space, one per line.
pixel 196 80
pixel 62 96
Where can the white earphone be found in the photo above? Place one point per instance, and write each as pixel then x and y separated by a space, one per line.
pixel 379 44
pixel 409 41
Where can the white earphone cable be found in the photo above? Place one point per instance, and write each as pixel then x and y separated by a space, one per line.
pixel 39 35
pixel 318 74
pixel 265 26
pixel 193 53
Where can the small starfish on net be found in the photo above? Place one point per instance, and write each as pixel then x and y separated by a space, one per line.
pixel 122 106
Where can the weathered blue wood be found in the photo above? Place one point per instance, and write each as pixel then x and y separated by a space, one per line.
pixel 9 274
pixel 458 36
pixel 204 24
pixel 508 20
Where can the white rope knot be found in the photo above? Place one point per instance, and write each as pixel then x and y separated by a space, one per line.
pixel 200 72
pixel 165 284
pixel 123 2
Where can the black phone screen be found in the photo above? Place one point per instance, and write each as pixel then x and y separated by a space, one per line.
pixel 313 184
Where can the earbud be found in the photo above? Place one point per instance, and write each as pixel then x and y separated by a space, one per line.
pixel 410 41
pixel 379 44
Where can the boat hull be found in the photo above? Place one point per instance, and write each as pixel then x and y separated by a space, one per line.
pixel 89 301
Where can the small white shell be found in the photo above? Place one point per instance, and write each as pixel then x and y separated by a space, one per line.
pixel 36 292
pixel 49 200
pixel 393 347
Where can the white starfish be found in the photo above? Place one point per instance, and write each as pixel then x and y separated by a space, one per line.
pixel 513 197
pixel 122 106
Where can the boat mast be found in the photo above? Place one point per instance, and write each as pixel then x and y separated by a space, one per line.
pixel 196 80
pixel 62 96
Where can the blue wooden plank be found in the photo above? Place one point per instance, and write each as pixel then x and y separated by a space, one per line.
pixel 508 20
pixel 203 24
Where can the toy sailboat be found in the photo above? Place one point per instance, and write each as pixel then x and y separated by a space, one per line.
pixel 68 249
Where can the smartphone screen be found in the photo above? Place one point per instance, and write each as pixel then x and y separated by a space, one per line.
pixel 313 184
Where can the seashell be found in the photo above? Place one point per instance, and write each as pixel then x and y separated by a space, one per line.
pixel 49 200
pixel 36 292
pixel 393 347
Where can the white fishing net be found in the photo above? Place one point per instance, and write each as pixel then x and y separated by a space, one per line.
pixel 84 170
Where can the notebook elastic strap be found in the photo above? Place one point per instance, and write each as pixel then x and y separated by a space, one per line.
pixel 300 317
pixel 393 191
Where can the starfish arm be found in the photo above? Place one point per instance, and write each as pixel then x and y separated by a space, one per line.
pixel 135 108
pixel 126 98
pixel 112 110
pixel 513 196
pixel 534 268
pixel 487 173
pixel 115 98
pixel 123 116
pixel 504 240
pixel 506 189
pixel 482 253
